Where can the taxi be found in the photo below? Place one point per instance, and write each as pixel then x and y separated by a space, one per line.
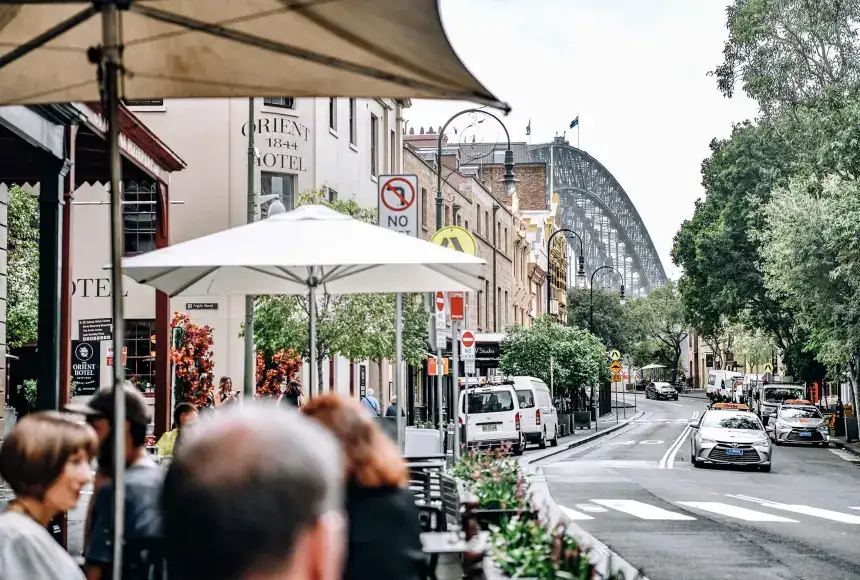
pixel 730 434
pixel 798 421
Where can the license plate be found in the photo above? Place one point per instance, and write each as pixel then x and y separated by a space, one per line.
pixel 734 451
pixel 489 427
pixel 806 433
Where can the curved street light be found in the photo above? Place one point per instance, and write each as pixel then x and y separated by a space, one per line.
pixel 509 179
pixel 580 271
pixel 591 295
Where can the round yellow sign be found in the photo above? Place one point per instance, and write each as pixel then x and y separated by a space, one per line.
pixel 456 238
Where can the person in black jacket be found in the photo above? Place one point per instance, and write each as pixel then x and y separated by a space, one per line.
pixel 384 531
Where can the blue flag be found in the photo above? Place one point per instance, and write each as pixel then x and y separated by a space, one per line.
pixel 575 122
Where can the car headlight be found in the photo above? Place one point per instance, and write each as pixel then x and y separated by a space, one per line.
pixel 706 441
pixel 763 442
pixel 782 424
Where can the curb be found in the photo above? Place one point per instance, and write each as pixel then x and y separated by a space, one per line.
pixel 605 561
pixel 535 458
pixel 693 395
pixel 850 448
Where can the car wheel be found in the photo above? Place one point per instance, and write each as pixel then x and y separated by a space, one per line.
pixel 765 468
pixel 520 447
pixel 554 440
pixel 695 462
pixel 542 443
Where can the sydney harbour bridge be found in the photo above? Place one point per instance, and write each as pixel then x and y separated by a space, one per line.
pixel 594 205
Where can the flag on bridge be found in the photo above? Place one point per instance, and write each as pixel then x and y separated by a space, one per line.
pixel 575 122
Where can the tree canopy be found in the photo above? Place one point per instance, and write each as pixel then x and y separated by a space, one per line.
pixel 578 358
pixel 22 270
pixel 613 324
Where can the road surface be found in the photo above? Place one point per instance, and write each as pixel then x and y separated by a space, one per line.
pixel 636 491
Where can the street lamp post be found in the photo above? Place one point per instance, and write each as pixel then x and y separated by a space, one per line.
pixel 591 295
pixel 580 271
pixel 509 179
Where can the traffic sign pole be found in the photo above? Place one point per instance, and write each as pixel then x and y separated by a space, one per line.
pixel 455 385
pixel 398 370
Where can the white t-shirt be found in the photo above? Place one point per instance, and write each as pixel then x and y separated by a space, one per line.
pixel 27 550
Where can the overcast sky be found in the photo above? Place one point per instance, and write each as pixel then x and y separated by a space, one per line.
pixel 634 71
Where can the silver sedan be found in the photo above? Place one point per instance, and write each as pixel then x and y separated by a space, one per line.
pixel 730 437
pixel 799 424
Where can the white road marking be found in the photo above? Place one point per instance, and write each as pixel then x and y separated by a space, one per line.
pixel 803 509
pixel 846 455
pixel 695 416
pixel 732 511
pixel 668 459
pixel 573 514
pixel 854 508
pixel 673 404
pixel 641 510
pixel 587 507
pixel 651 442
pixel 623 443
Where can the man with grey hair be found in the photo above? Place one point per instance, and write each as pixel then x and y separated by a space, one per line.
pixel 256 494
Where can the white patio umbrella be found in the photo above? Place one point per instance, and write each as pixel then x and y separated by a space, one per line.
pixel 107 50
pixel 301 251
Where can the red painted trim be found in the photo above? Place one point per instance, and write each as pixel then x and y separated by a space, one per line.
pixel 351 378
pixel 144 138
pixel 331 374
pixel 163 410
pixel 66 273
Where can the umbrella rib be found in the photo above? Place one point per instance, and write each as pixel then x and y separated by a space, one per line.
pixel 192 282
pixel 350 271
pixel 26 48
pixel 303 54
pixel 289 275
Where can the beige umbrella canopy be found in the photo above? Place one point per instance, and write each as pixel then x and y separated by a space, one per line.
pixel 229 48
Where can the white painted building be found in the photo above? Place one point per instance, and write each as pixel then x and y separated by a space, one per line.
pixel 340 145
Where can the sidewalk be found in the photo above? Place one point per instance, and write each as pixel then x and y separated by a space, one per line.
pixel 695 394
pixel 842 443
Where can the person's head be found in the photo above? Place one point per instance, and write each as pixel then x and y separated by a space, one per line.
pixel 99 411
pixel 372 459
pixel 47 458
pixel 225 385
pixel 393 399
pixel 295 387
pixel 369 392
pixel 278 500
pixel 184 415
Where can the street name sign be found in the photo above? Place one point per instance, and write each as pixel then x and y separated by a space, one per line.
pixel 456 238
pixel 468 342
pixel 398 206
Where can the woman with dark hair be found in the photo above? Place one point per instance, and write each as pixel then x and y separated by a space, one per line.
pixel 293 394
pixel 185 415
pixel 46 462
pixel 384 532
pixel 225 392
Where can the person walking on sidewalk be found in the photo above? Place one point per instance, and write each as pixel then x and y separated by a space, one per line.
pixel 46 461
pixel 391 410
pixel 292 395
pixel 384 529
pixel 371 403
pixel 184 416
pixel 271 512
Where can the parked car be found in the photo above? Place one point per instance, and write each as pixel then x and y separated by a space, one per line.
pixel 494 418
pixel 661 391
pixel 799 421
pixel 539 415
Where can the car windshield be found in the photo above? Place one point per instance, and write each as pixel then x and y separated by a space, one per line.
pixel 526 398
pixel 801 413
pixel 491 402
pixel 731 420
pixel 780 395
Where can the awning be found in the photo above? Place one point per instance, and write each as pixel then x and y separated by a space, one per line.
pixel 266 48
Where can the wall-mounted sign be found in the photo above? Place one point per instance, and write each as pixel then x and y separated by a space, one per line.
pixel 201 306
pixel 86 366
pixel 95 329
pixel 279 140
pixel 488 350
pixel 362 381
pixel 92 288
pixel 110 356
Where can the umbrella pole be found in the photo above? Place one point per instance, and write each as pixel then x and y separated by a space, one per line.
pixel 312 335
pixel 398 370
pixel 111 63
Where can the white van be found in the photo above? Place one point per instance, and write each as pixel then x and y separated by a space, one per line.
pixel 721 382
pixel 494 417
pixel 539 417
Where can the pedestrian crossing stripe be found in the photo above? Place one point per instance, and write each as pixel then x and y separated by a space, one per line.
pixel 646 511
pixel 846 455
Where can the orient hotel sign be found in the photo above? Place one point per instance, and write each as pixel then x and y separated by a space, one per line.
pixel 281 141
